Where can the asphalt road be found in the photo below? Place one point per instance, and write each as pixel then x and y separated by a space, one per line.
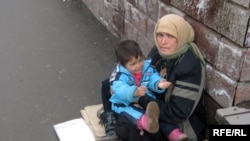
pixel 53 56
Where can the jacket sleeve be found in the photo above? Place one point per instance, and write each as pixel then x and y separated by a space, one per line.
pixel 123 90
pixel 154 81
pixel 181 98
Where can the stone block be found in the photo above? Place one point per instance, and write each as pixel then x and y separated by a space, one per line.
pixel 225 17
pixel 142 5
pixel 233 116
pixel 230 58
pixel 247 42
pixel 242 93
pixel 244 3
pixel 136 17
pixel 129 30
pixel 227 56
pixel 220 87
pixel 106 13
pixel 245 75
pixel 153 9
pixel 207 40
pixel 228 19
pixel 166 1
pixel 168 9
pixel 150 29
pixel 144 42
pixel 133 2
pixel 211 106
pixel 118 21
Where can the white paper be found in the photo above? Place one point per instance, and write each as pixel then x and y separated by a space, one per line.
pixel 74 130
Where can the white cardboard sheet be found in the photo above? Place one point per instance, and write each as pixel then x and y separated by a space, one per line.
pixel 74 130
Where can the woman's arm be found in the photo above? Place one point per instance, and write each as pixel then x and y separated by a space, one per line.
pixel 181 98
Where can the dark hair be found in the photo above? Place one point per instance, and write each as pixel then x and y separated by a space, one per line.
pixel 126 50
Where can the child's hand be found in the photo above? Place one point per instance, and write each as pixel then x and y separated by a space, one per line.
pixel 164 84
pixel 140 91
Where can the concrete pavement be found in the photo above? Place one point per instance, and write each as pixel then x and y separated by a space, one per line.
pixel 53 56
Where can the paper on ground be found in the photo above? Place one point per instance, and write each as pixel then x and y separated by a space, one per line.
pixel 74 130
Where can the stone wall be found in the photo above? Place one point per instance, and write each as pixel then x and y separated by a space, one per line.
pixel 222 33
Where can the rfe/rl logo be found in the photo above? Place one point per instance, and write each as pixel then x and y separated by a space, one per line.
pixel 229 132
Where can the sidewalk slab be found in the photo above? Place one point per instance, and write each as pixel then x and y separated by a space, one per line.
pixel 233 116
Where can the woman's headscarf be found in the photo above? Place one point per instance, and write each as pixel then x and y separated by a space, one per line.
pixel 178 27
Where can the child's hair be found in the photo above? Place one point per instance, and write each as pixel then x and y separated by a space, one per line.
pixel 126 50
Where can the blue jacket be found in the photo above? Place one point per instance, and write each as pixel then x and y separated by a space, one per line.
pixel 123 84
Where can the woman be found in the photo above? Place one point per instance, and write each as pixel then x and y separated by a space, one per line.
pixel 178 59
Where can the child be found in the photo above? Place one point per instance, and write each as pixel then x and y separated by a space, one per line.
pixel 132 78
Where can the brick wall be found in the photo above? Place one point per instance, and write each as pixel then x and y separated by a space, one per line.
pixel 222 33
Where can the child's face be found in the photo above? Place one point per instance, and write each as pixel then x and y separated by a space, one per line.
pixel 135 65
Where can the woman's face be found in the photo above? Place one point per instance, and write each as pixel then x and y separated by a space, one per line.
pixel 166 42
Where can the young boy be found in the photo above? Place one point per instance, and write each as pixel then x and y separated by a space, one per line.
pixel 132 78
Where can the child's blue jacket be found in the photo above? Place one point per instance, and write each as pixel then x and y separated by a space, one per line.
pixel 123 84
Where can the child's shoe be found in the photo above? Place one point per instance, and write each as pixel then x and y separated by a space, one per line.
pixel 177 135
pixel 149 121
